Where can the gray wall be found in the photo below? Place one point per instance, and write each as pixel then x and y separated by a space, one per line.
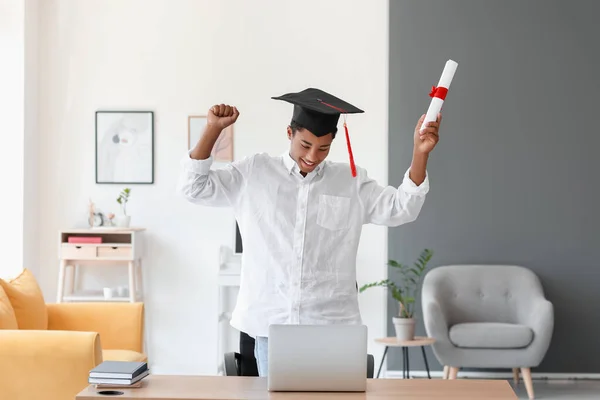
pixel 514 178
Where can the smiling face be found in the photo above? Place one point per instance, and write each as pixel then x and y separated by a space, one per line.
pixel 307 149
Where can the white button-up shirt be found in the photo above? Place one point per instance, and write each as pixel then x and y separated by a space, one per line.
pixel 300 234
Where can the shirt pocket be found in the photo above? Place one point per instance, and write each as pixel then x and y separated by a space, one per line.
pixel 334 212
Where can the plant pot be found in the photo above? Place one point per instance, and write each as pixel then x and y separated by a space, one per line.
pixel 123 221
pixel 405 328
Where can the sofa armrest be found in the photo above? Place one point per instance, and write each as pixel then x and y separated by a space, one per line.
pixel 541 321
pixel 435 321
pixel 46 364
pixel 120 325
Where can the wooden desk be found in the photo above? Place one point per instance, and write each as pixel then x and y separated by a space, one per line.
pixel 171 387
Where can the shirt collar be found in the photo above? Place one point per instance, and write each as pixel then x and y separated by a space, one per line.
pixel 292 166
pixel 289 162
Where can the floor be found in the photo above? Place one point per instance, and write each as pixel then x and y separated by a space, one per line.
pixel 563 390
pixel 555 389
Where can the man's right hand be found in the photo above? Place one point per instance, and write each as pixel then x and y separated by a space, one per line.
pixel 222 116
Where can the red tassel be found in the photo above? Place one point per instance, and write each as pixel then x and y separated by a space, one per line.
pixel 342 111
pixel 352 166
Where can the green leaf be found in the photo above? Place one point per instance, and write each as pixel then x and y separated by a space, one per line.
pixel 405 288
pixel 396 294
pixel 384 283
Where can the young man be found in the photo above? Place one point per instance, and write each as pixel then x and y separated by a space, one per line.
pixel 300 217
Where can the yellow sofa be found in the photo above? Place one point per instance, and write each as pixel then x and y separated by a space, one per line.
pixel 54 363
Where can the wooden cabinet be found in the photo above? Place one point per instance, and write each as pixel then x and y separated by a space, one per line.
pixel 116 246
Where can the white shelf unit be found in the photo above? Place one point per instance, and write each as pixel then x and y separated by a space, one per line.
pixel 121 246
pixel 89 295
pixel 230 265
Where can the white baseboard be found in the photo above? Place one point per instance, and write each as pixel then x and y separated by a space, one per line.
pixel 494 375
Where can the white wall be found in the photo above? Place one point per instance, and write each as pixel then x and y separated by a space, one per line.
pixel 18 154
pixel 12 97
pixel 31 185
pixel 178 58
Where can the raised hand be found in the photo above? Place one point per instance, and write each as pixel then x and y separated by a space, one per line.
pixel 426 140
pixel 222 116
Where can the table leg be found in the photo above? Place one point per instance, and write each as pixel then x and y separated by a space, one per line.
pixel 139 283
pixel 132 288
pixel 407 365
pixel 61 281
pixel 425 359
pixel 382 359
pixel 403 362
pixel 71 278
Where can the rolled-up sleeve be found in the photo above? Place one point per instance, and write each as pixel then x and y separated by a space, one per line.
pixel 390 206
pixel 200 184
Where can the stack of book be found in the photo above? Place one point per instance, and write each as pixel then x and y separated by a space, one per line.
pixel 118 374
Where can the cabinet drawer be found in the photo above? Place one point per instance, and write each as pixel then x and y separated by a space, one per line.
pixel 114 252
pixel 75 252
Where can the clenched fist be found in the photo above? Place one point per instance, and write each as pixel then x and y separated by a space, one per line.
pixel 222 115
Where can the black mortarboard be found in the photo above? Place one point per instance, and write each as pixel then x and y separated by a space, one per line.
pixel 319 112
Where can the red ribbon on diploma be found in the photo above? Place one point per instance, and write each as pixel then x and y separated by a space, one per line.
pixel 439 92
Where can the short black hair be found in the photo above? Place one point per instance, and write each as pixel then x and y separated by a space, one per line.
pixel 296 127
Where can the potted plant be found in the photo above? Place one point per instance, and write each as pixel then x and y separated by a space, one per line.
pixel 405 291
pixel 124 219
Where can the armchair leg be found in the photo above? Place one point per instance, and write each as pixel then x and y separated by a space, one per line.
pixel 446 371
pixel 453 372
pixel 528 382
pixel 516 375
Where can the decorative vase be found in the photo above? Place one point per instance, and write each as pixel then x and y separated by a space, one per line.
pixel 123 221
pixel 405 328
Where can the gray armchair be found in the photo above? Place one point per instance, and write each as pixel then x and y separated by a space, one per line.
pixel 487 316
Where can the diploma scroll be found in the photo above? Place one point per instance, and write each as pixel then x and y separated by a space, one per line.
pixel 438 93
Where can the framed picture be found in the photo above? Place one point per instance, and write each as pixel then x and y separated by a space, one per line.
pixel 124 147
pixel 223 149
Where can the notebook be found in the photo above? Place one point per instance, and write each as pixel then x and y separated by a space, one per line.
pixel 138 384
pixel 118 369
pixel 118 381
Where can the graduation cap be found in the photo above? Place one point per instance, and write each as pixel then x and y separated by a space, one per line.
pixel 319 112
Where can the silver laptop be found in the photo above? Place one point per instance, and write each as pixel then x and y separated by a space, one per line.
pixel 320 358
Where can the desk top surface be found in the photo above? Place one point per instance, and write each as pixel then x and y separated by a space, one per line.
pixel 173 387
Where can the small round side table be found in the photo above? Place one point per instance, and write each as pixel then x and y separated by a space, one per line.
pixel 418 341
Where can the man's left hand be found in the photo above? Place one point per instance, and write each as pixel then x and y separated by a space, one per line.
pixel 426 140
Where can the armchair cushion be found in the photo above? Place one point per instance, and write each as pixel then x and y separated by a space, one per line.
pixel 8 320
pixel 27 301
pixel 490 335
pixel 123 355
